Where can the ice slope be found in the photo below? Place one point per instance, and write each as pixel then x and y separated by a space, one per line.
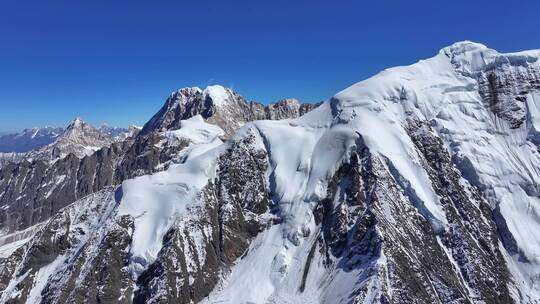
pixel 303 154
pixel 444 91
pixel 440 90
pixel 156 201
pixel 201 136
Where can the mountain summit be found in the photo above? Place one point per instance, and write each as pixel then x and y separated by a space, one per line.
pixel 220 106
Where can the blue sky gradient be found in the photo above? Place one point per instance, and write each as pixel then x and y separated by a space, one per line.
pixel 116 61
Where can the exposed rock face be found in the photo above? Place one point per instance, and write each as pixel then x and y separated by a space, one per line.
pixel 84 250
pixel 503 85
pixel 32 192
pixel 11 157
pixel 415 186
pixel 287 108
pixel 472 242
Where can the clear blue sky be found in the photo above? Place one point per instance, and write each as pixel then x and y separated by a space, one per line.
pixel 115 61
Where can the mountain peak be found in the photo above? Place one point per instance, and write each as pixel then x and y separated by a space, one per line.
pixel 221 106
pixel 186 92
pixel 464 46
pixel 187 102
pixel 76 123
pixel 218 94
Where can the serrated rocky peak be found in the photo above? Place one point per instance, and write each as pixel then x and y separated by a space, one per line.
pixel 81 132
pixel 117 133
pixel 79 139
pixel 50 144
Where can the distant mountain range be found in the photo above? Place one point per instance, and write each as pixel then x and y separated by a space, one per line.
pixel 49 144
pixel 31 139
pixel 28 139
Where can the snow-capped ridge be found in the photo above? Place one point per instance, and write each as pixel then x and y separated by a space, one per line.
pixel 29 139
pixel 464 46
pixel 470 57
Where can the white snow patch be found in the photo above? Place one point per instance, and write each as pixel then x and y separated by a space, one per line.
pixel 219 94
pixel 41 278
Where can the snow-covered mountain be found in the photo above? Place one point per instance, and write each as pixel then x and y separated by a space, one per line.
pixel 28 139
pixel 418 185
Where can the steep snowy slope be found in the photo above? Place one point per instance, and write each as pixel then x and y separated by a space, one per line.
pixel 418 185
